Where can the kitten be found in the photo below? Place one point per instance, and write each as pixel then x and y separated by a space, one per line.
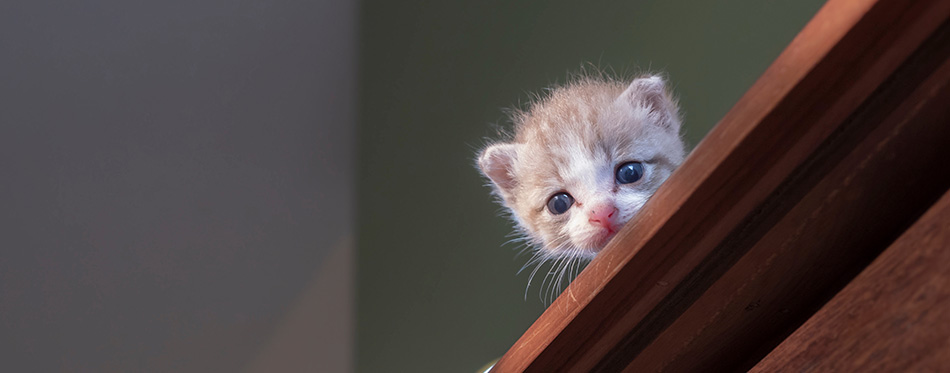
pixel 583 160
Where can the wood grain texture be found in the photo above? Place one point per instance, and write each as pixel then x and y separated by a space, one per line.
pixel 775 171
pixel 894 317
pixel 836 226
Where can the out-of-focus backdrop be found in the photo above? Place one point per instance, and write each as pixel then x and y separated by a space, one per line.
pixel 176 185
pixel 437 287
pixel 212 185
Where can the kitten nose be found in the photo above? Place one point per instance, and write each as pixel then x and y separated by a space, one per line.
pixel 602 214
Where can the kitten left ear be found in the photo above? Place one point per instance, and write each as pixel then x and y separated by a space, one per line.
pixel 496 162
pixel 650 92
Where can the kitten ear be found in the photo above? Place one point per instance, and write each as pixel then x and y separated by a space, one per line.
pixel 496 162
pixel 650 92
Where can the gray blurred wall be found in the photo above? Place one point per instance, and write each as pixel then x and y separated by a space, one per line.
pixel 176 185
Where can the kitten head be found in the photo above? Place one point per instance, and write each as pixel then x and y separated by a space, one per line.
pixel 584 160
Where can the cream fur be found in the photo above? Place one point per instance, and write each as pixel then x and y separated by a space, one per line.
pixel 572 141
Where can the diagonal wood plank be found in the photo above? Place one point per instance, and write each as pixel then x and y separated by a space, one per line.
pixel 837 225
pixel 891 318
pixel 669 284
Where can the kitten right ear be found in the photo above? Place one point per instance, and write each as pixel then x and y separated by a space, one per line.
pixel 650 92
pixel 496 162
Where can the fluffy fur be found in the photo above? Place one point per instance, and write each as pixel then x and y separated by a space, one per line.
pixel 573 140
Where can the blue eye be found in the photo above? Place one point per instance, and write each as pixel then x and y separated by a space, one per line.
pixel 629 172
pixel 559 203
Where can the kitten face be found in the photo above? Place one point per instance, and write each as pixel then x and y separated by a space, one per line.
pixel 584 160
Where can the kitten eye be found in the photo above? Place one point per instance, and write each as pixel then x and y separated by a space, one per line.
pixel 559 203
pixel 629 172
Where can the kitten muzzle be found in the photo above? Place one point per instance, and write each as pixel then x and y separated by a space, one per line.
pixel 604 215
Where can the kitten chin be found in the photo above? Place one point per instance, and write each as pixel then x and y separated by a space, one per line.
pixel 582 162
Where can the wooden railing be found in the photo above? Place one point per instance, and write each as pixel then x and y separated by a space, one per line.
pixel 839 147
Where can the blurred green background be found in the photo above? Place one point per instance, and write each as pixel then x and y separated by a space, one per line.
pixel 437 289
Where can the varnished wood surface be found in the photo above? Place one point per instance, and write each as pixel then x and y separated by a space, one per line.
pixel 725 227
pixel 838 226
pixel 894 317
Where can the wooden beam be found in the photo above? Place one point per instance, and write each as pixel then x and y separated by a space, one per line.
pixel 790 196
pixel 837 225
pixel 894 317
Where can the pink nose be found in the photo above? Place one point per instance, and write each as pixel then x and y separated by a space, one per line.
pixel 602 214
